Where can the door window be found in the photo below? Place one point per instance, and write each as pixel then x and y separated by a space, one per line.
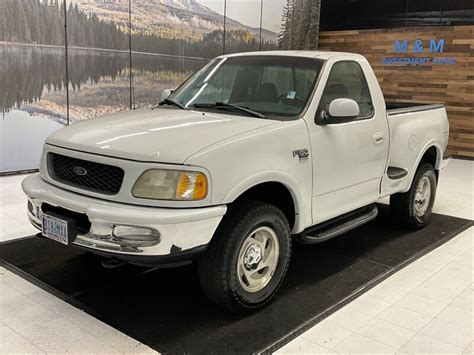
pixel 347 80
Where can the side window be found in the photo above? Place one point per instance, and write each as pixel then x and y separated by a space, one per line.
pixel 347 80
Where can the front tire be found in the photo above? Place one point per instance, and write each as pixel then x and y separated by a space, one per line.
pixel 248 257
pixel 413 208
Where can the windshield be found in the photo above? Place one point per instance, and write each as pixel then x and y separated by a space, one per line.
pixel 270 85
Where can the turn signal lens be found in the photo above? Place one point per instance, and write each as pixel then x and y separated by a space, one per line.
pixel 191 186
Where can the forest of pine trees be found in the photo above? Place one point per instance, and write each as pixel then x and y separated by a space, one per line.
pixel 300 25
pixel 42 22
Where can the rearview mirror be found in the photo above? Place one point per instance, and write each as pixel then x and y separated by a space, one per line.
pixel 339 111
pixel 165 93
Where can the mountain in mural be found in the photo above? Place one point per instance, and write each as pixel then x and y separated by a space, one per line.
pixel 178 19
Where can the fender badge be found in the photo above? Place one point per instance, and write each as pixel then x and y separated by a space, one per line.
pixel 302 154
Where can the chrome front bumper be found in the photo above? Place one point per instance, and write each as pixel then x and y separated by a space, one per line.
pixel 177 230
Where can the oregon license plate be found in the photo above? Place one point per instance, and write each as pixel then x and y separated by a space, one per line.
pixel 57 229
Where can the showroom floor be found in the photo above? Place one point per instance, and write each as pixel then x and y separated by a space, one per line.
pixel 424 308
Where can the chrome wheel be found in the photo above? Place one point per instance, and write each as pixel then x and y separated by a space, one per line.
pixel 258 259
pixel 422 196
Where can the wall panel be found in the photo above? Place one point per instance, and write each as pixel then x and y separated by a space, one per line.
pixel 449 84
pixel 98 58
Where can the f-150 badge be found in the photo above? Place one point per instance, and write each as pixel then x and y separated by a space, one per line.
pixel 302 154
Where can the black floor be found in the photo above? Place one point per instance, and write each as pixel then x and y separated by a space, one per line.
pixel 166 310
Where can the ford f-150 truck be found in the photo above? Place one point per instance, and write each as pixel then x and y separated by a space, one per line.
pixel 251 153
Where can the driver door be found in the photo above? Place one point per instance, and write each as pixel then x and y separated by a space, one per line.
pixel 348 158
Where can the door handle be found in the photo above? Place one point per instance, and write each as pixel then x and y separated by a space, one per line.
pixel 378 138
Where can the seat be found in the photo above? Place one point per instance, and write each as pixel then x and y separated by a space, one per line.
pixel 267 92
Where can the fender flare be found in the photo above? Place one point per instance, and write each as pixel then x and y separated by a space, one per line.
pixel 432 143
pixel 287 180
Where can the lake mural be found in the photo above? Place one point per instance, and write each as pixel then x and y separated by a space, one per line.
pixel 120 55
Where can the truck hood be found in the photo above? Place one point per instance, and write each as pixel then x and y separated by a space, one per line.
pixel 161 135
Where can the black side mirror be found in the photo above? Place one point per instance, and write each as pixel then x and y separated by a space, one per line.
pixel 321 118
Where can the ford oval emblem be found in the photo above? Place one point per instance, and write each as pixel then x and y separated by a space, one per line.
pixel 79 170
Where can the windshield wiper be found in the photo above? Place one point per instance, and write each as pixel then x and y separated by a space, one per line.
pixel 173 103
pixel 236 107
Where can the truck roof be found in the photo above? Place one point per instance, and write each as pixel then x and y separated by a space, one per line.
pixel 324 55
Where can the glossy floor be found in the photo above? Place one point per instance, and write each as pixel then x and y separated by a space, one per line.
pixel 426 307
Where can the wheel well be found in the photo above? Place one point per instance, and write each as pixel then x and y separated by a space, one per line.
pixel 430 156
pixel 273 193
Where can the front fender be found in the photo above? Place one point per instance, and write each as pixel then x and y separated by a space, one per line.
pixel 302 205
pixel 258 156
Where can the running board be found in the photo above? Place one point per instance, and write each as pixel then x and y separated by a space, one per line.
pixel 337 226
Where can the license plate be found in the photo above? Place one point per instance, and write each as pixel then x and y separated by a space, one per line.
pixel 58 229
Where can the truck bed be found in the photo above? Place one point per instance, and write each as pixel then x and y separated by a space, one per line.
pixel 396 108
pixel 413 129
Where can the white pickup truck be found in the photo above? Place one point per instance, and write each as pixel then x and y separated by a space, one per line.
pixel 252 152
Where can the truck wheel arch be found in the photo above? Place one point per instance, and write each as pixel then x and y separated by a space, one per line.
pixel 432 154
pixel 282 192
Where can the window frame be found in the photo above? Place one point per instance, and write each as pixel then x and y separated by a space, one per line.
pixel 360 118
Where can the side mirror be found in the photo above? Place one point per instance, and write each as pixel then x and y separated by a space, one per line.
pixel 165 93
pixel 340 111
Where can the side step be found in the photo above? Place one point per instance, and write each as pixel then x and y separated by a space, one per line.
pixel 337 226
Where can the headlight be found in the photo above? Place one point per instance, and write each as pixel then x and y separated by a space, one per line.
pixel 171 185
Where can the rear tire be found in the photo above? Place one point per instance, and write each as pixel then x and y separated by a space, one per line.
pixel 248 257
pixel 413 208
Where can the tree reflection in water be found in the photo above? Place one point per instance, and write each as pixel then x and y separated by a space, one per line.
pixel 99 81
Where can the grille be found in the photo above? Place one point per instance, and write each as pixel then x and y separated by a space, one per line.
pixel 88 175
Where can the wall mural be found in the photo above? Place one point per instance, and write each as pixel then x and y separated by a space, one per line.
pixel 32 77
pixel 169 40
pixel 300 25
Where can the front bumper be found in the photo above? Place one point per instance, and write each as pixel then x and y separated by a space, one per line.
pixel 181 231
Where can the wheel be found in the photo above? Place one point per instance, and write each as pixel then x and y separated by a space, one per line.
pixel 247 259
pixel 413 208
